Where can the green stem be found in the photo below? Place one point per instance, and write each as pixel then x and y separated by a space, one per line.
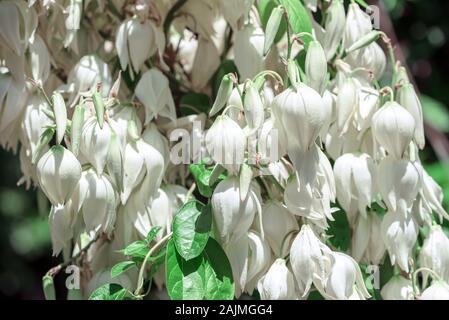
pixel 149 254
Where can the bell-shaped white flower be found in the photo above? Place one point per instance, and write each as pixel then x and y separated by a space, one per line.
pixel 154 92
pixel 96 199
pixel 153 137
pixel 354 179
pixel 358 24
pixel 248 51
pixel 301 112
pixel 279 226
pixel 278 283
pixel 367 244
pixel 142 164
pixel 86 74
pixel 119 117
pixel 95 143
pixel 233 217
pixel 434 253
pixel 439 290
pixel 394 128
pixel 397 288
pixel 308 258
pixel 206 62
pixel 61 220
pixel 58 172
pixel 399 233
pixel 345 280
pixel 271 142
pixel 250 257
pixel 226 143
pixel 432 196
pixel 39 59
pixel 10 27
pixel 334 27
pixel 399 182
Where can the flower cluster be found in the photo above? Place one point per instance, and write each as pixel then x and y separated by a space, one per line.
pixel 300 134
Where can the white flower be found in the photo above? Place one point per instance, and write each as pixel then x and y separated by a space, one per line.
pixel 96 199
pixel 397 288
pixel 206 62
pixel 153 91
pixel 157 140
pixel 58 172
pixel 333 28
pixel 61 226
pixel 250 257
pixel 439 290
pixel 277 283
pixel 95 143
pixel 434 253
pixel 399 233
pixel 136 42
pixel 86 74
pixel 226 143
pixel 399 182
pixel 316 66
pixel 345 279
pixel 354 179
pixel 142 164
pixel 358 24
pixel 279 226
pixel 39 59
pixel 393 127
pixel 309 260
pixel 233 217
pixel 248 51
pixel 367 243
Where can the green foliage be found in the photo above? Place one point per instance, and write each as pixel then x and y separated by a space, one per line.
pixel 152 234
pixel 121 267
pixel 191 226
pixel 109 291
pixel 298 18
pixel 202 174
pixel 208 276
pixel 194 103
pixel 49 287
pixel 137 249
pixel 340 232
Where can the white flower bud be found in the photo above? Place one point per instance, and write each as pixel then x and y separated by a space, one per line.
pixel 354 179
pixel 334 28
pixel 153 91
pixel 226 143
pixel 407 97
pixel 58 172
pixel 347 104
pixel 393 127
pixel 399 233
pixel 277 283
pixel 399 182
pixel 397 288
pixel 95 143
pixel 434 253
pixel 439 290
pixel 233 217
pixel 316 67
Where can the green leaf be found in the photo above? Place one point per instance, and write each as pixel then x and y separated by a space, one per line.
pixel 152 234
pixel 265 8
pixel 194 103
pixel 298 18
pixel 202 176
pixel 109 291
pixel 435 113
pixel 121 267
pixel 191 226
pixel 219 284
pixel 49 287
pixel 184 279
pixel 137 249
pixel 340 231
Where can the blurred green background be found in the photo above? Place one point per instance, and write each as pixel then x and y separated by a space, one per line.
pixel 422 28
